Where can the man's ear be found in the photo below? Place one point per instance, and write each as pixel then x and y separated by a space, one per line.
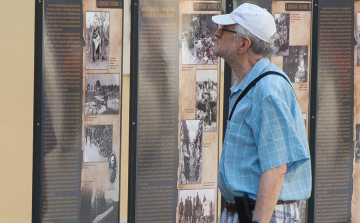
pixel 245 44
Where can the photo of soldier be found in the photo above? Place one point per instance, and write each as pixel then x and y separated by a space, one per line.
pixel 191 151
pixel 193 209
pixel 197 39
pixel 206 98
pixel 98 143
pixel 296 64
pixel 102 94
pixel 97 40
pixel 282 22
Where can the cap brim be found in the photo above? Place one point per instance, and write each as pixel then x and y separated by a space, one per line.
pixel 223 20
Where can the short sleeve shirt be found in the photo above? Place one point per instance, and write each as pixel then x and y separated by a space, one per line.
pixel 266 130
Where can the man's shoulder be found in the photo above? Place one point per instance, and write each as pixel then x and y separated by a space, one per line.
pixel 274 86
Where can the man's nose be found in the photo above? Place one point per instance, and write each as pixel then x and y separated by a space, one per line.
pixel 218 32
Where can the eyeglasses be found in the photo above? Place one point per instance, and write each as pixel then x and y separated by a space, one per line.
pixel 232 31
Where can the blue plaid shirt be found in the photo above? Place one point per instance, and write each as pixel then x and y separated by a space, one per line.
pixel 266 131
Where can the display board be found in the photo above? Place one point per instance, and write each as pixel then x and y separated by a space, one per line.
pixel 333 183
pixel 78 111
pixel 175 114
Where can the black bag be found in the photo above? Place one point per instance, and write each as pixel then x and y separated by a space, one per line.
pixel 243 208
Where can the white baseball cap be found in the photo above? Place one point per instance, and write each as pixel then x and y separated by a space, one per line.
pixel 258 21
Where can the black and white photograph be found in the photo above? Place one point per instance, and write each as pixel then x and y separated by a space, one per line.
pixel 97 40
pixel 358 38
pixel 198 39
pixel 357 144
pixel 206 98
pixel 305 119
pixel 196 206
pixel 295 65
pixel 98 143
pixel 191 135
pixel 97 207
pixel 112 168
pixel 102 93
pixel 282 22
pixel 357 151
pixel 302 210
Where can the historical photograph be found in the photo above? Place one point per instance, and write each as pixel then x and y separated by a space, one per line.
pixel 198 39
pixel 282 22
pixel 191 151
pixel 295 65
pixel 112 168
pixel 97 207
pixel 358 38
pixel 206 98
pixel 305 118
pixel 357 144
pixel 97 40
pixel 196 206
pixel 102 93
pixel 98 143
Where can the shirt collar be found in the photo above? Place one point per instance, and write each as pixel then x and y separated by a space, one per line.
pixel 254 73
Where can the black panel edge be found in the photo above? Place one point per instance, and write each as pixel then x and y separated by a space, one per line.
pixel 133 110
pixel 226 93
pixel 36 189
pixel 313 105
pixel 121 106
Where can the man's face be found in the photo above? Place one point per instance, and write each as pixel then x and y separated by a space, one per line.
pixel 112 161
pixel 226 40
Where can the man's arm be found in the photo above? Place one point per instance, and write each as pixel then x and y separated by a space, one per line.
pixel 268 193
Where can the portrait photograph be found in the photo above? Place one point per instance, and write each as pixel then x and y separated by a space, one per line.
pixel 112 168
pixel 98 143
pixel 97 40
pixel 206 98
pixel 196 206
pixel 191 135
pixel 296 64
pixel 198 39
pixel 282 22
pixel 102 93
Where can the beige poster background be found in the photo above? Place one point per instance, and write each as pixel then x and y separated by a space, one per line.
pixel 299 35
pixel 355 203
pixel 95 175
pixel 189 74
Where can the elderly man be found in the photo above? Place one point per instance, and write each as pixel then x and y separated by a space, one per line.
pixel 265 163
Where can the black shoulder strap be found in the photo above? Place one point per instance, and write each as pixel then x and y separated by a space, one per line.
pixel 252 84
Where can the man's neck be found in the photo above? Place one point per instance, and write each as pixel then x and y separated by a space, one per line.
pixel 243 65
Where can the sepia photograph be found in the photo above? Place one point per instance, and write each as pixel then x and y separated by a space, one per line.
pixel 295 65
pixel 96 207
pixel 357 151
pixel 196 206
pixel 198 39
pixel 357 144
pixel 191 134
pixel 98 143
pixel 102 93
pixel 206 98
pixel 358 38
pixel 302 210
pixel 97 40
pixel 282 22
pixel 112 168
pixel 305 119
